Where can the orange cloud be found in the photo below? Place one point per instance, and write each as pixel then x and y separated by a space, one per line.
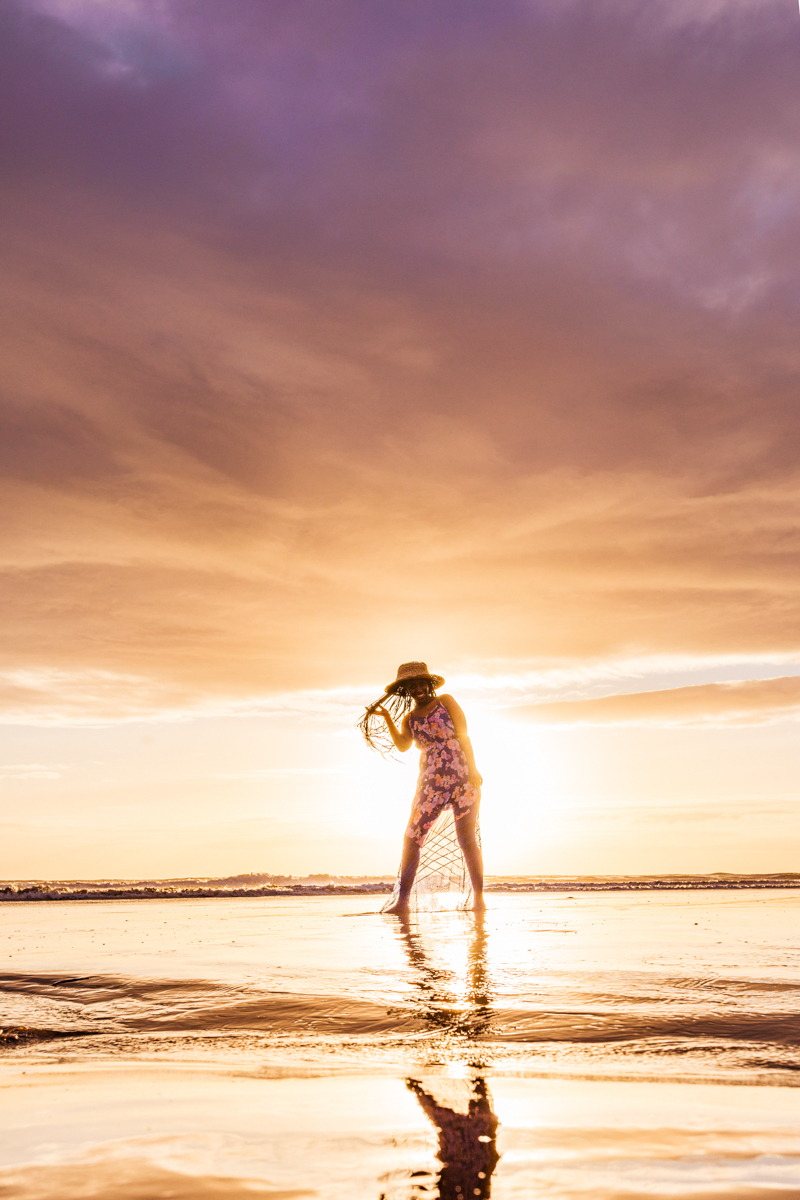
pixel 750 702
pixel 453 337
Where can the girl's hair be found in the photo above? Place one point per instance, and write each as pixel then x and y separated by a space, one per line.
pixel 373 727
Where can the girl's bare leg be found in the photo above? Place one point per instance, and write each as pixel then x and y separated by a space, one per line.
pixel 409 862
pixel 465 831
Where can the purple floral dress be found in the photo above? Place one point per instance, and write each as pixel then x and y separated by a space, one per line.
pixel 443 772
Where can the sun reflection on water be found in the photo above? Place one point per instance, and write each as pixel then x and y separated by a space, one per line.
pixel 451 992
pixel 449 976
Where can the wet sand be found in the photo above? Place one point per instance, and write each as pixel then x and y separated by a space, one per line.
pixel 611 1045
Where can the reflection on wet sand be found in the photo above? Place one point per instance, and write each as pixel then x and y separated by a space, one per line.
pixel 460 1110
pixel 447 999
pixel 467 1140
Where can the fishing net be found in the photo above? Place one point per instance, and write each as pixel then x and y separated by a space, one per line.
pixel 442 881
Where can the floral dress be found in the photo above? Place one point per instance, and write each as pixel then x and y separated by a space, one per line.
pixel 443 772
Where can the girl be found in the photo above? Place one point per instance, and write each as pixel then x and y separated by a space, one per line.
pixel 448 775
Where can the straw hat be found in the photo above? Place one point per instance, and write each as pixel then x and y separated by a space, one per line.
pixel 413 670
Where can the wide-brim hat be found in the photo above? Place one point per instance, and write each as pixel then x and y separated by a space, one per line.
pixel 413 670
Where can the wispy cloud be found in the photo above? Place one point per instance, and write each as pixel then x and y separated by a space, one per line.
pixel 334 340
pixel 47 697
pixel 260 773
pixel 750 702
pixel 31 770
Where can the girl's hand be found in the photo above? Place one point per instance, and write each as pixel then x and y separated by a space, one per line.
pixel 476 779
pixel 380 711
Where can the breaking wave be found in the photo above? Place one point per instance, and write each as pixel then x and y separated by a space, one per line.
pixel 254 885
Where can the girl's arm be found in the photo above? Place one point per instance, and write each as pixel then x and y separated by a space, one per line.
pixel 460 726
pixel 401 737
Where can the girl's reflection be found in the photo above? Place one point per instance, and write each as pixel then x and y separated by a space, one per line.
pixel 436 997
pixel 467 1140
pixel 460 1110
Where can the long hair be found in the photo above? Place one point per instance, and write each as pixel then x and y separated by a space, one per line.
pixel 373 727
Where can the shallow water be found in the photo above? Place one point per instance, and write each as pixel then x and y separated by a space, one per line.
pixel 612 1044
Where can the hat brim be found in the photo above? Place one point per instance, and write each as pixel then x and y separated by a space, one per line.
pixel 436 680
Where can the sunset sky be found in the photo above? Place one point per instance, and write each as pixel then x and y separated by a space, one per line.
pixel 340 333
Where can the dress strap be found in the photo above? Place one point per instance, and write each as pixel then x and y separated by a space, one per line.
pixel 411 716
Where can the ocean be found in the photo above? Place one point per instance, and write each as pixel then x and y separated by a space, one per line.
pixel 596 1037
pixel 354 885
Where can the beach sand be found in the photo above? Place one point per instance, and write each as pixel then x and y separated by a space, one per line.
pixel 604 1045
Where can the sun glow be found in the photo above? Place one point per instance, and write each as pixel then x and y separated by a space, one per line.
pixel 521 768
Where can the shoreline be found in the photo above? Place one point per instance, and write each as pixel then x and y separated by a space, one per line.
pixel 39 892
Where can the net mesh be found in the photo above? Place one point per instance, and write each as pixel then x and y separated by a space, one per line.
pixel 442 881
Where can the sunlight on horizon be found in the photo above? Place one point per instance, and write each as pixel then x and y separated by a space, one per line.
pixel 302 795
